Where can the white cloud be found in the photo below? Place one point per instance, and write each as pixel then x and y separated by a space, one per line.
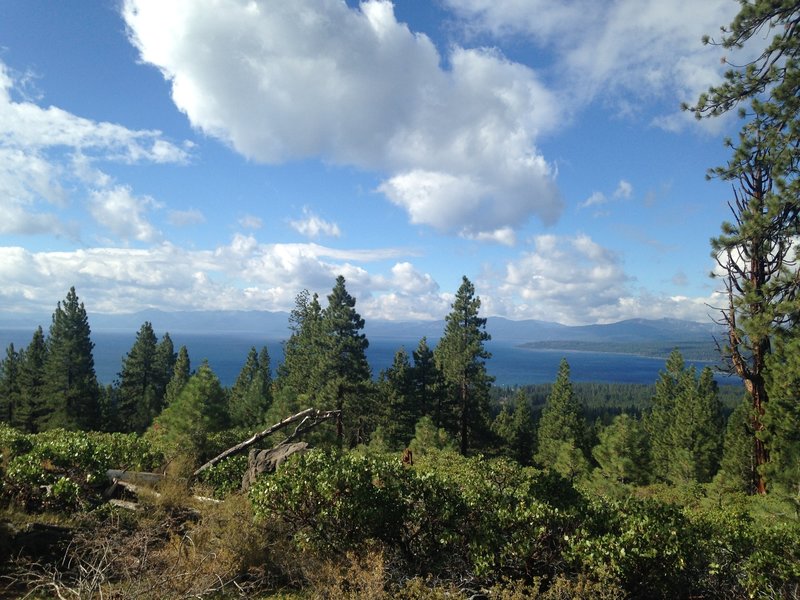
pixel 574 280
pixel 48 157
pixel 504 236
pixel 622 50
pixel 624 189
pixel 281 81
pixel 596 199
pixel 123 214
pixel 313 226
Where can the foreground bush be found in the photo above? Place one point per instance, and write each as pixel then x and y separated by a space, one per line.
pixel 61 469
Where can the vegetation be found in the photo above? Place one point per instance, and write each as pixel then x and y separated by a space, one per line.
pixel 435 484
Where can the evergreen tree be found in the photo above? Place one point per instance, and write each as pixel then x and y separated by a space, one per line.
pixel 10 386
pixel 32 410
pixel 781 418
pixel 623 451
pixel 428 383
pixel 199 410
pixel 140 394
pixel 300 374
pixel 71 390
pixel 181 372
pixel 516 429
pixel 461 357
pixel 347 373
pixel 737 471
pixel 251 394
pixel 562 429
pixel 399 411
pixel 756 252
pixel 164 367
pixel 685 424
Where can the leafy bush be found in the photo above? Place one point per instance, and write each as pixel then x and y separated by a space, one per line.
pixel 67 469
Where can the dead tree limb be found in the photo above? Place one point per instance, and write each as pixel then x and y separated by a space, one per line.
pixel 309 418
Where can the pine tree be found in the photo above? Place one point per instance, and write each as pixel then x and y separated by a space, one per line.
pixel 781 433
pixel 299 376
pixel 199 410
pixel 737 471
pixel 756 252
pixel 347 373
pixel 140 393
pixel 32 410
pixel 251 394
pixel 71 389
pixel 10 386
pixel 685 424
pixel 517 429
pixel 562 428
pixel 164 367
pixel 622 454
pixel 181 372
pixel 428 383
pixel 399 410
pixel 461 357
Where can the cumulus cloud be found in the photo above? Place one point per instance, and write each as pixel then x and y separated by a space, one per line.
pixel 596 199
pixel 123 214
pixel 282 81
pixel 575 281
pixel 48 156
pixel 504 236
pixel 313 226
pixel 174 278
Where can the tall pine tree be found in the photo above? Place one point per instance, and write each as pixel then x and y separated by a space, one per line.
pixel 181 372
pixel 32 410
pixel 71 390
pixel 9 386
pixel 251 394
pixel 141 384
pixel 461 357
pixel 562 429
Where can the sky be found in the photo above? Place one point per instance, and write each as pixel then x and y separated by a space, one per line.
pixel 227 154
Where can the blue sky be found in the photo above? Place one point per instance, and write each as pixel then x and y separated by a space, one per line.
pixel 202 154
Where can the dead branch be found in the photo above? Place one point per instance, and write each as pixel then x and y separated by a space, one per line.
pixel 309 418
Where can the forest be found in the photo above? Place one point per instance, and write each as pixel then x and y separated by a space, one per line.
pixel 425 480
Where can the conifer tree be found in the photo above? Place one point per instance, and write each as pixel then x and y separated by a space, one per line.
pixel 781 418
pixel 71 389
pixel 199 410
pixel 399 410
pixel 737 471
pixel 10 386
pixel 347 373
pixel 140 395
pixel 622 454
pixel 300 373
pixel 517 429
pixel 685 424
pixel 32 410
pixel 461 357
pixel 428 383
pixel 562 428
pixel 181 372
pixel 164 366
pixel 756 252
pixel 251 394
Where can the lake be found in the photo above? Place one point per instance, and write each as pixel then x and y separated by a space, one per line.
pixel 510 364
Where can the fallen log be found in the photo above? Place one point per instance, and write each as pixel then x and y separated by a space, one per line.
pixel 268 461
pixel 309 418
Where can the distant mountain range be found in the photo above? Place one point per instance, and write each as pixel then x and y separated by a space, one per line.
pixel 646 337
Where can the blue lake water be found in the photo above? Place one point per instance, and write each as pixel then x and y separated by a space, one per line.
pixel 510 365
